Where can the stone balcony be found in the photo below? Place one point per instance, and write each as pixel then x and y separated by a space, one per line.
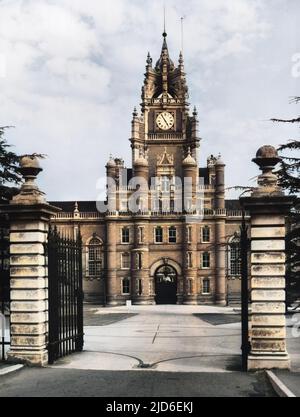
pixel 206 213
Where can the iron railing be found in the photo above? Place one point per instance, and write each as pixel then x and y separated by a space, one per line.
pixel 4 287
pixel 65 295
pixel 244 242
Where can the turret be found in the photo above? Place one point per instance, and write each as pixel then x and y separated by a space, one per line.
pixel 220 184
pixel 195 134
pixel 141 168
pixel 111 168
pixel 190 170
pixel 135 134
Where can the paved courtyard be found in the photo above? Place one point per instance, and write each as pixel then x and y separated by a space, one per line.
pixel 160 338
pixel 159 351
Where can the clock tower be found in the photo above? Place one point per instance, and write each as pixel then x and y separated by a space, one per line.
pixel 165 133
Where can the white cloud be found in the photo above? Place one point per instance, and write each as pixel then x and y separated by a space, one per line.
pixel 74 68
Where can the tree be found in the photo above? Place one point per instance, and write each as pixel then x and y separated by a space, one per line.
pixel 289 179
pixel 9 171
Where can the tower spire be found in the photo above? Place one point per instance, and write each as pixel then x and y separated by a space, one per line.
pixel 164 56
pixel 165 33
pixel 182 33
pixel 165 46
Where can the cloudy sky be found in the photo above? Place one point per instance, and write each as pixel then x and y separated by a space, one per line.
pixel 71 72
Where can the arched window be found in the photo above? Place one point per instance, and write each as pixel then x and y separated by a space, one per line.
pixel 234 258
pixel 95 257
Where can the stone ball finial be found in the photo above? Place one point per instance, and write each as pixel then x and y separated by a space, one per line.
pixel 267 151
pixel 29 192
pixel 30 165
pixel 267 156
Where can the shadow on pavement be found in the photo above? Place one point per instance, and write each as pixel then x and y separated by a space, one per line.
pixel 219 319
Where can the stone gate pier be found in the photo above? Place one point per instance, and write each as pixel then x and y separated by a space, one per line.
pixel 29 215
pixel 268 207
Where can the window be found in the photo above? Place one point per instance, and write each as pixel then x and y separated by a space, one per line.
pixel 159 234
pixel 189 260
pixel 125 260
pixel 205 260
pixel 234 256
pixel 139 263
pixel 125 286
pixel 155 202
pixel 141 235
pixel 206 234
pixel 125 235
pixel 139 287
pixel 188 204
pixel 165 184
pixel 172 205
pixel 189 234
pixel 206 286
pixel 189 286
pixel 172 234
pixel 95 258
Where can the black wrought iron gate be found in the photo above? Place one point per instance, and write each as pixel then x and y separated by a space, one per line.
pixel 4 287
pixel 65 295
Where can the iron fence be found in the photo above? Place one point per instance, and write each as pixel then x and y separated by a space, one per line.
pixel 65 295
pixel 244 251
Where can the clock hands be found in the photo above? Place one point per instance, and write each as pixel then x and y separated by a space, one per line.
pixel 165 119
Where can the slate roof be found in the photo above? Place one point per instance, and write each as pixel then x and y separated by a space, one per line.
pixel 233 205
pixel 90 206
pixel 69 206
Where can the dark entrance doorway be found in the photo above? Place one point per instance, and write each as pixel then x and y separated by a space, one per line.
pixel 166 285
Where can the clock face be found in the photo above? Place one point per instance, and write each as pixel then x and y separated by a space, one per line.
pixel 165 120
